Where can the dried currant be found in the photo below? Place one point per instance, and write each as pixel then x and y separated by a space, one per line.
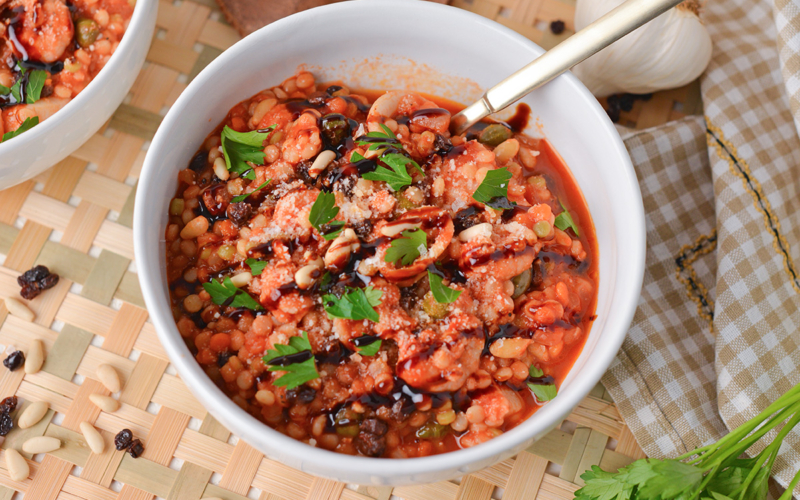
pixel 14 360
pixel 36 280
pixel 136 448
pixel 557 27
pixel 6 423
pixel 123 439
pixel 8 405
pixel 239 213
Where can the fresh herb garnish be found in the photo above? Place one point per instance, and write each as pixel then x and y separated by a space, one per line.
pixel 398 176
pixel 16 88
pixel 242 197
pixel 33 91
pixel 356 303
pixel 226 293
pixel 238 148
pixel 441 293
pixel 28 124
pixel 286 358
pixel 256 266
pixel 564 221
pixel 386 139
pixel 493 191
pixel 322 213
pixel 711 472
pixel 4 90
pixel 408 248
pixel 543 392
pixel 370 349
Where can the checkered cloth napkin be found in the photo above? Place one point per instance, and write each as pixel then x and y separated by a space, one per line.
pixel 715 338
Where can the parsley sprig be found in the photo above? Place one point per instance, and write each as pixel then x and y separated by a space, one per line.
pixel 407 248
pixel 322 213
pixel 356 304
pixel 564 221
pixel 367 349
pixel 239 148
pixel 442 293
pixel 296 359
pixel 226 294
pixel 28 124
pixel 711 472
pixel 493 190
pixel 398 176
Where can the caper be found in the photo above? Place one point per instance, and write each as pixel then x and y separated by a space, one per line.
pixel 494 134
pixel 432 308
pixel 335 128
pixel 86 32
pixel 432 430
pixel 521 282
pixel 542 228
pixel 404 198
pixel 347 430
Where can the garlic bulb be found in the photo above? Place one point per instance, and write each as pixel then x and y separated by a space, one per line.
pixel 668 52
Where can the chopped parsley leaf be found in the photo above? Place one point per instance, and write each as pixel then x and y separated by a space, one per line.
pixel 564 221
pixel 493 191
pixel 28 124
pixel 356 304
pixel 442 293
pixel 287 358
pixel 408 248
pixel 370 349
pixel 256 266
pixel 238 148
pixel 226 293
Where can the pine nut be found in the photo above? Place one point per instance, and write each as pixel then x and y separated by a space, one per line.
pixel 306 275
pixel 19 309
pixel 482 229
pixel 35 358
pixel 93 438
pixel 105 403
pixel 17 467
pixel 194 228
pixel 41 444
pixel 509 347
pixel 33 414
pixel 242 279
pixel 339 251
pixel 321 163
pixel 220 169
pixel 109 377
pixel 391 230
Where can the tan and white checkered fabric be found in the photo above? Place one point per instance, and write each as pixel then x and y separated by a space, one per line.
pixel 716 335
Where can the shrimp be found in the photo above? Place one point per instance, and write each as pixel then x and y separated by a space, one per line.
pixel 397 103
pixel 461 176
pixel 303 141
pixel 291 213
pixel 492 261
pixel 441 360
pixel 439 229
pixel 286 306
pixel 44 108
pixel 45 31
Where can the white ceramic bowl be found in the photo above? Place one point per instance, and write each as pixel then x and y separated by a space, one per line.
pixel 54 139
pixel 357 42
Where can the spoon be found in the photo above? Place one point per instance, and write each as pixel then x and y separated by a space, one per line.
pixel 591 39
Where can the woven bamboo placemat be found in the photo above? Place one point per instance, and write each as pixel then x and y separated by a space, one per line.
pixel 76 219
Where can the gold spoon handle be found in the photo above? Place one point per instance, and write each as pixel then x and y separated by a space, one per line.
pixel 598 35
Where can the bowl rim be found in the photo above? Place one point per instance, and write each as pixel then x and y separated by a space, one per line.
pixel 105 76
pixel 264 437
